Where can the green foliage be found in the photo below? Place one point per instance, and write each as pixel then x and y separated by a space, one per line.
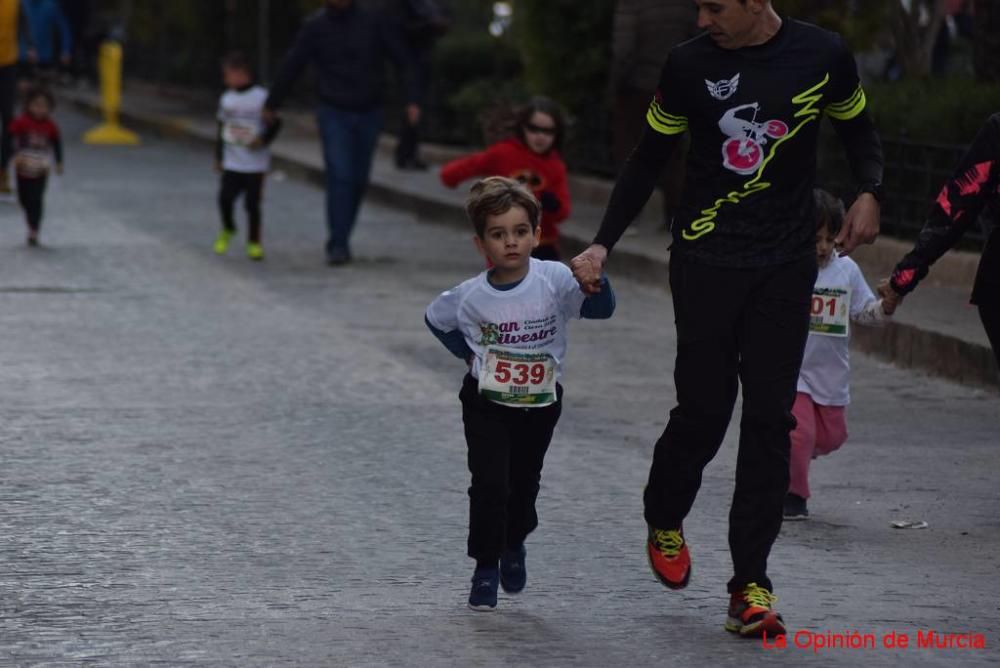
pixel 938 111
pixel 474 73
pixel 566 46
pixel 861 26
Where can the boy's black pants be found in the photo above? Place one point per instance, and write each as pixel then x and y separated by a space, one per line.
pixel 252 187
pixel 506 450
pixel 734 326
pixel 31 194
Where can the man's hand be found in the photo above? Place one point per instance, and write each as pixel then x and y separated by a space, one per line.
pixel 218 167
pixel 59 168
pixel 588 266
pixel 890 298
pixel 412 114
pixel 861 224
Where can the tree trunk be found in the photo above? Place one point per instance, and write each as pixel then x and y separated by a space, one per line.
pixel 987 40
pixel 915 42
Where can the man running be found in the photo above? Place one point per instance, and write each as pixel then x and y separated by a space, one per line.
pixel 751 92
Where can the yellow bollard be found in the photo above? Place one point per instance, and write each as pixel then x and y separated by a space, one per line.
pixel 109 65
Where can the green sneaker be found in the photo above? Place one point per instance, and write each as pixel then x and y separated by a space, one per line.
pixel 222 241
pixel 255 251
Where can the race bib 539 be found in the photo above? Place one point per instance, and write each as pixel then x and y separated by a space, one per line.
pixel 518 378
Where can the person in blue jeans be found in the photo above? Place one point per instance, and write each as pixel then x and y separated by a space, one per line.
pixel 348 45
pixel 47 21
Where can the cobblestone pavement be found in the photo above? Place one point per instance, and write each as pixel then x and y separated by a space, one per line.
pixel 207 461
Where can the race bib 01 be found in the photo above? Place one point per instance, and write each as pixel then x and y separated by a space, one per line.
pixel 830 312
pixel 518 378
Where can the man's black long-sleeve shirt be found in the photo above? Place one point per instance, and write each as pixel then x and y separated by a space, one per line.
pixel 349 48
pixel 753 115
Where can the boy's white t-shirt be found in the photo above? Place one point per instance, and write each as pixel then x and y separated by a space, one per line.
pixel 240 113
pixel 826 364
pixel 531 316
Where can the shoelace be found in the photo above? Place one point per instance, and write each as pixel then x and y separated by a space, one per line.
pixel 756 595
pixel 668 541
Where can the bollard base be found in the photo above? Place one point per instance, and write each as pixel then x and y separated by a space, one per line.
pixel 111 133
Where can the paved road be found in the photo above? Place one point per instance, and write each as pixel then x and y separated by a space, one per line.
pixel 207 461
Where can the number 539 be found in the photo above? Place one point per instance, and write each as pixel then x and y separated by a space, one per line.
pixel 519 374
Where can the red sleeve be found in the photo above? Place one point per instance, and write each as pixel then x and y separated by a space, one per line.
pixel 484 163
pixel 16 126
pixel 560 188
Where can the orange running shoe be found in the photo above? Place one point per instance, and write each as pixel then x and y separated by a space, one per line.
pixel 751 614
pixel 669 557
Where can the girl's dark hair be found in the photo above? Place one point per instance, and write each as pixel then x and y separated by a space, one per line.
pixel 547 107
pixel 829 211
pixel 504 121
pixel 36 92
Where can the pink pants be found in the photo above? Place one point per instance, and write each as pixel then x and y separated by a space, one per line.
pixel 820 431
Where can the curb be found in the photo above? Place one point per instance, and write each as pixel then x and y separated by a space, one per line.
pixel 904 345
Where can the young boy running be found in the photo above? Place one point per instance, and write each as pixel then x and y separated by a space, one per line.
pixel 241 152
pixel 509 325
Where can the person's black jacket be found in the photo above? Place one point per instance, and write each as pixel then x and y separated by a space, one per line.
pixel 348 48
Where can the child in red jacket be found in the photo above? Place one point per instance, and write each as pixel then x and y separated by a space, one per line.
pixel 36 139
pixel 530 156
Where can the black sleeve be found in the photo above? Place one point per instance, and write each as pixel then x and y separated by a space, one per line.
pixel 218 143
pixel 57 148
pixel 863 146
pixel 957 208
pixel 291 68
pixel 848 113
pixel 635 184
pixel 271 131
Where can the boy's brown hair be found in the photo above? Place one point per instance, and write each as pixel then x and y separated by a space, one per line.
pixel 495 196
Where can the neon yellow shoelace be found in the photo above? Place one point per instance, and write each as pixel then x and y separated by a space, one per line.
pixel 668 541
pixel 756 595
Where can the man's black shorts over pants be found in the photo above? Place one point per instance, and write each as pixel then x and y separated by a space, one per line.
pixel 734 326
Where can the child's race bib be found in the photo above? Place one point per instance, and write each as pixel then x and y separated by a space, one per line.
pixel 830 312
pixel 518 378
pixel 239 133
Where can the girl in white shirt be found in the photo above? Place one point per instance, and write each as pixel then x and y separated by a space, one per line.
pixel 840 296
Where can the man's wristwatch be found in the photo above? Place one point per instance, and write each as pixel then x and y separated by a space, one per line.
pixel 874 188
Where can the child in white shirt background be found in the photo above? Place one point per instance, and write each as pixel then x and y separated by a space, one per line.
pixel 840 297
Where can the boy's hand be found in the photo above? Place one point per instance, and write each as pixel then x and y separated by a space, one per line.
pixel 217 166
pixel 588 266
pixel 890 298
pixel 59 168
pixel 268 115
pixel 257 143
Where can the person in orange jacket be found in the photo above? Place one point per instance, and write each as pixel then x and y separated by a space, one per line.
pixel 530 155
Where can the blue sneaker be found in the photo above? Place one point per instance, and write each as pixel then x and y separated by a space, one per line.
pixel 483 596
pixel 513 574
